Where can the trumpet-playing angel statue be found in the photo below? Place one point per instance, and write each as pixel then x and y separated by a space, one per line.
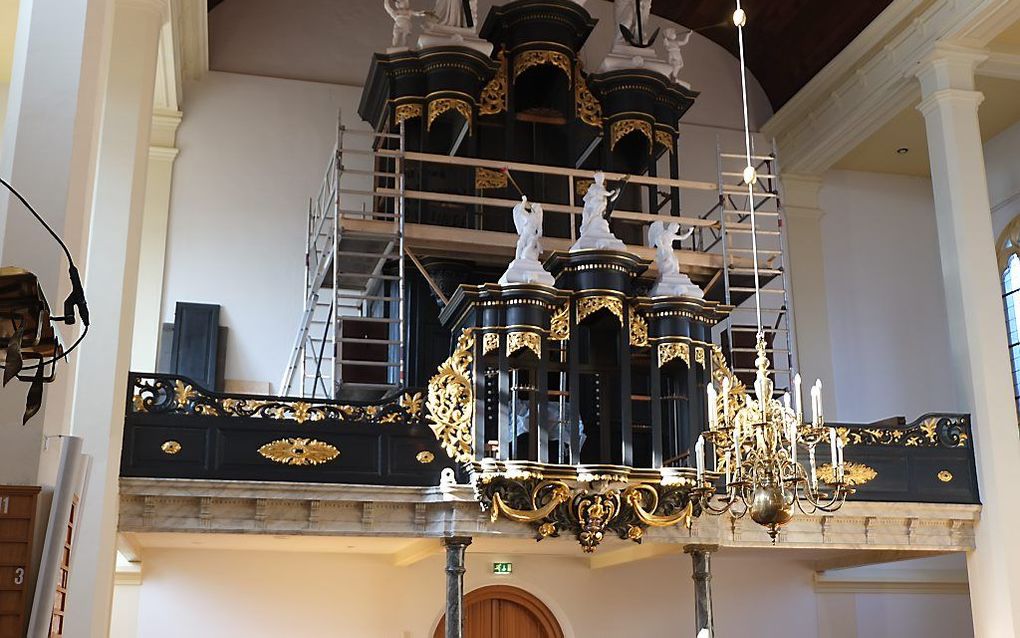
pixel 670 282
pixel 525 268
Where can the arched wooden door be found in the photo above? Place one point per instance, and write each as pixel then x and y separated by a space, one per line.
pixel 501 611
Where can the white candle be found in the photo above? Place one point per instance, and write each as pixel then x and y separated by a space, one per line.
pixel 832 450
pixel 713 416
pixel 699 453
pixel 726 399
pixel 793 443
pixel 798 399
pixel 736 447
pixel 814 474
pixel 814 406
pixel 727 462
pixel 786 402
pixel 821 415
pixel 839 454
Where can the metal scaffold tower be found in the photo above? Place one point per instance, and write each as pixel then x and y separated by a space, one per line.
pixel 734 241
pixel 350 344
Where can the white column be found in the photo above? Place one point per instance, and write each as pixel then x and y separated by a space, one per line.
pixel 110 280
pixel 48 153
pixel 806 268
pixel 155 220
pixel 976 329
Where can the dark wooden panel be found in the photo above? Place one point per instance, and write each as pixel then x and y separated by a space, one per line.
pixel 196 343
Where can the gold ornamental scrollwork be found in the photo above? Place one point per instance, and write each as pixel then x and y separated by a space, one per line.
pixel 488 179
pixel 699 357
pixel 586 107
pixel 441 105
pixel 665 139
pixel 674 350
pixel 553 492
pixel 425 457
pixel 622 128
pixel 518 340
pixel 451 400
pixel 406 112
pixel 490 342
pixel 854 474
pixel 299 451
pixel 947 430
pixel 171 447
pixel 493 98
pixel 586 306
pixel 638 329
pixel 559 325
pixel 530 59
pixel 635 497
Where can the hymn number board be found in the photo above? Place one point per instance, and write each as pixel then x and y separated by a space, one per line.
pixel 17 518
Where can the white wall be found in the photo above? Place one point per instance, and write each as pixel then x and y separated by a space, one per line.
pixel 1002 163
pixel 886 304
pixel 256 594
pixel 252 151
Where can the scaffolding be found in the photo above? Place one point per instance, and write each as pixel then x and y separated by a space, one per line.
pixel 350 341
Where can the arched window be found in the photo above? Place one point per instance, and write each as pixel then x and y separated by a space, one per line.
pixel 1007 248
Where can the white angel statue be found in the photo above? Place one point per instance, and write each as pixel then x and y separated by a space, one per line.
pixel 671 282
pixel 623 12
pixel 525 268
pixel 401 12
pixel 673 44
pixel 450 13
pixel 595 232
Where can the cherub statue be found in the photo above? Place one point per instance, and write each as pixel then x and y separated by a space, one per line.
pixel 673 44
pixel 671 282
pixel 401 12
pixel 525 268
pixel 595 232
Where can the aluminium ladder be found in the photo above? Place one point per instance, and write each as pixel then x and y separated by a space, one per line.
pixel 350 343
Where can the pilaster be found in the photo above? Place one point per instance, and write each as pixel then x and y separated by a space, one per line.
pixel 977 328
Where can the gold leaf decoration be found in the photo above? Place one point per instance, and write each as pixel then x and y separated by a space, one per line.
pixel 405 112
pixel 170 447
pixel 182 392
pixel 451 400
pixel 623 128
pixel 699 356
pixel 412 403
pixel 638 329
pixel 853 473
pixel 530 59
pixel 425 457
pixel 490 342
pixel 299 451
pixel 674 350
pixel 488 179
pixel 493 98
pixel 589 305
pixel 945 476
pixel 587 108
pixel 441 105
pixel 559 324
pixel 664 138
pixel 518 340
pixel 581 186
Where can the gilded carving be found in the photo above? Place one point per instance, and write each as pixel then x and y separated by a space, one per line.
pixel 493 98
pixel 487 179
pixel 451 400
pixel 699 357
pixel 586 107
pixel 559 325
pixel 165 394
pixel 928 431
pixel 425 457
pixel 945 476
pixel 299 451
pixel 530 59
pixel 490 342
pixel 518 340
pixel 665 139
pixel 406 112
pixel 581 186
pixel 854 474
pixel 589 305
pixel 622 128
pixel 673 350
pixel 441 105
pixel 638 329
pixel 170 447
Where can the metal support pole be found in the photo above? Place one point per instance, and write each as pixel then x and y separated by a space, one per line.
pixel 702 575
pixel 455 546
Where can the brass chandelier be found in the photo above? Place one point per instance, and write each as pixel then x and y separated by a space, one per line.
pixel 760 441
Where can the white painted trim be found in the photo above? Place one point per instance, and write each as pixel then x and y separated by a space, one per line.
pixel 902 581
pixel 1001 65
pixel 193 29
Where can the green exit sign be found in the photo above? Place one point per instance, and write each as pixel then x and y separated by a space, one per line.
pixel 502 568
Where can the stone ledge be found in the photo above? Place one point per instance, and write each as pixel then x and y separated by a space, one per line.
pixel 183 505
